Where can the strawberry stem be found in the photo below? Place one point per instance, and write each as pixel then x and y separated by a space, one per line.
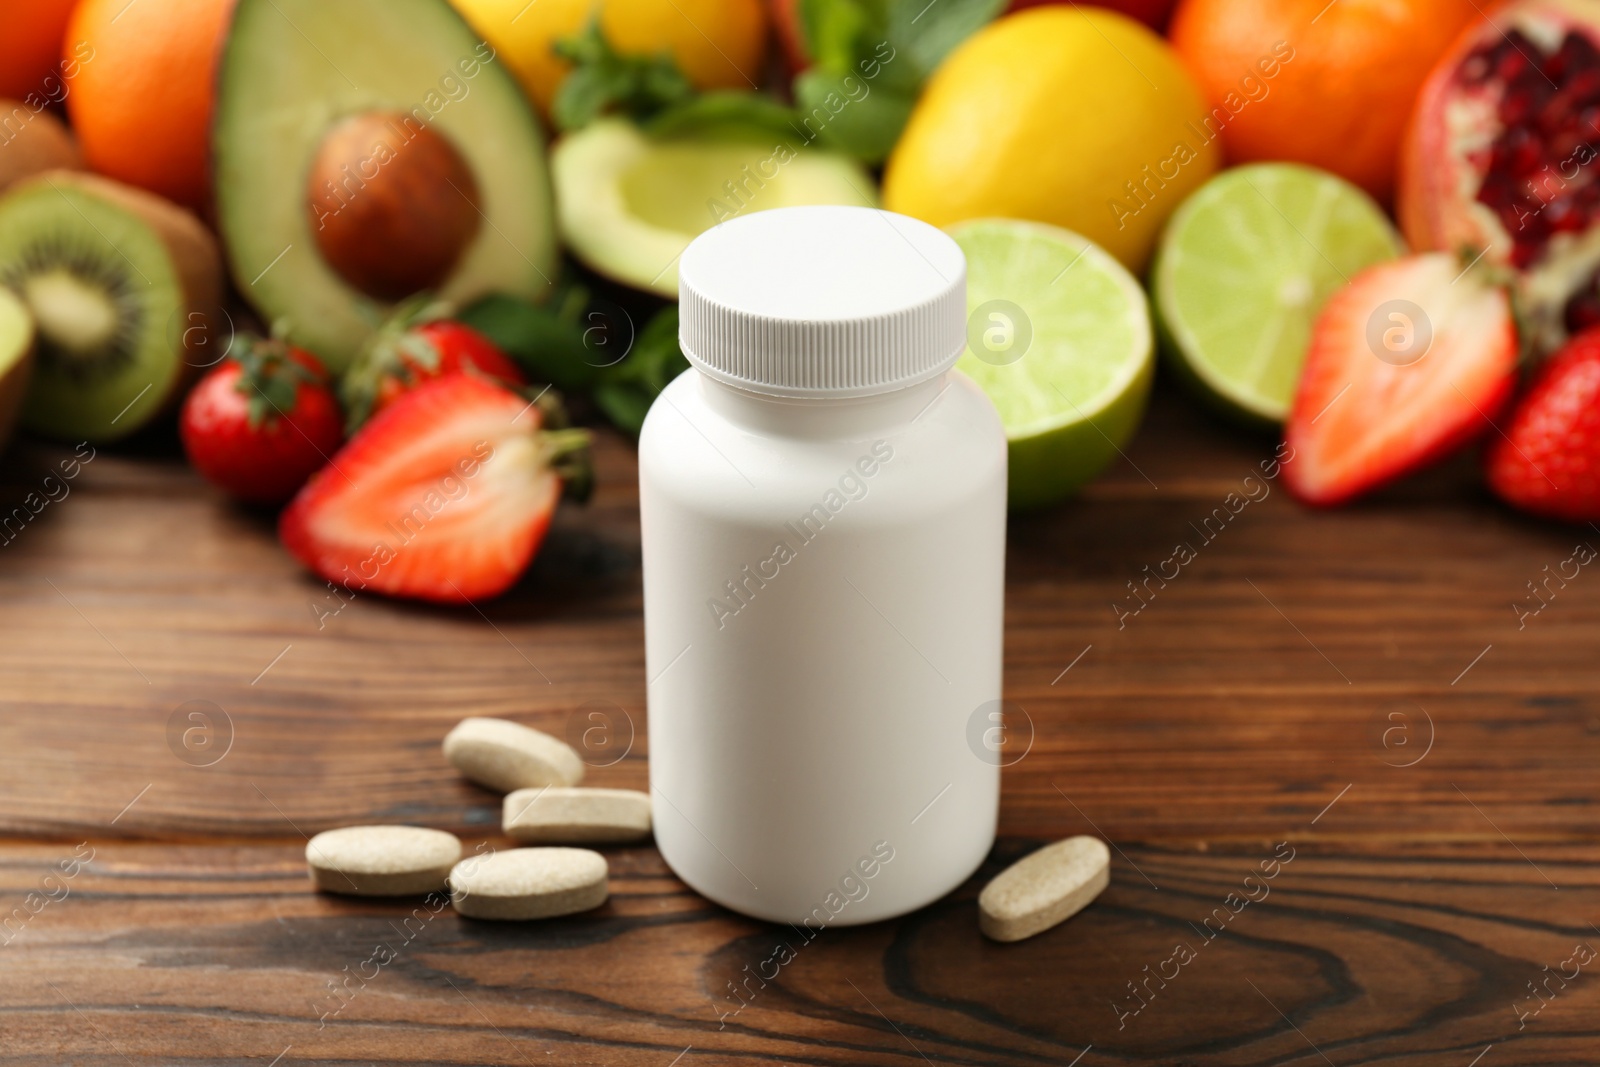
pixel 566 452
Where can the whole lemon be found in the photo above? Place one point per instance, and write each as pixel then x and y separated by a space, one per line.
pixel 1079 117
pixel 717 44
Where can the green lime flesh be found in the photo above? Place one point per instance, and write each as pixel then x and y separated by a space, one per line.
pixel 1243 267
pixel 1071 375
pixel 105 295
pixel 291 70
pixel 628 204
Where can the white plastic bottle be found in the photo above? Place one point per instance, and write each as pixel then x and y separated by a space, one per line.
pixel 823 509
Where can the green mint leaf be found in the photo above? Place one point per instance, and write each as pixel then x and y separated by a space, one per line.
pixel 928 31
pixel 546 340
pixel 729 113
pixel 851 114
pixel 836 31
pixel 628 389
pixel 602 81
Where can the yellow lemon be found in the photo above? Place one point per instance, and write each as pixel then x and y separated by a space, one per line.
pixel 1079 117
pixel 718 44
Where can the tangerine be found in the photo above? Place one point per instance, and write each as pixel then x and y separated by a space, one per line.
pixel 30 45
pixel 142 104
pixel 1329 83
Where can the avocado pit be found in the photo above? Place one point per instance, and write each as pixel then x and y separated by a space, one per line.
pixel 391 203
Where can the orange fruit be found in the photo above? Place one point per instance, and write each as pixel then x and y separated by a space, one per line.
pixel 141 104
pixel 30 46
pixel 1309 81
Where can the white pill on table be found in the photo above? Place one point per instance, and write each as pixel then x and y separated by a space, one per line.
pixel 505 755
pixel 382 861
pixel 562 815
pixel 1044 888
pixel 529 883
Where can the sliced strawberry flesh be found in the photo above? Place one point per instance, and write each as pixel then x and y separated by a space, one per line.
pixel 1359 419
pixel 444 495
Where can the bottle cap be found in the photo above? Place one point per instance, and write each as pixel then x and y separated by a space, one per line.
pixel 822 301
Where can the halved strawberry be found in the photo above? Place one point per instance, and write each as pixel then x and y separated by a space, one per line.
pixel 444 495
pixel 1408 362
pixel 1547 461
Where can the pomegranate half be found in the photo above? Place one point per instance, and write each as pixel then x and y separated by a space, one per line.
pixel 1502 159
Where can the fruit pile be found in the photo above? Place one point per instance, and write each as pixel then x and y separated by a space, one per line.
pixel 333 239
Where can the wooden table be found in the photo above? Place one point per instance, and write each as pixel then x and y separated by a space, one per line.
pixel 1352 694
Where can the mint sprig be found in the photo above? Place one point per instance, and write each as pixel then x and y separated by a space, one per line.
pixel 603 81
pixel 871 58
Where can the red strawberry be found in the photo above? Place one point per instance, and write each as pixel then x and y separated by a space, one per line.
pixel 444 495
pixel 1548 460
pixel 416 344
pixel 1407 363
pixel 261 422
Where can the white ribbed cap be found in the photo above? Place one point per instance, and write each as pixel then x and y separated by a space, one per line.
pixel 822 301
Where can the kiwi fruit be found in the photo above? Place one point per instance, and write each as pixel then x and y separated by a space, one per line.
pixel 32 141
pixel 16 361
pixel 125 291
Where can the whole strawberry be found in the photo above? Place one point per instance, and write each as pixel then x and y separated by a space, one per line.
pixel 416 345
pixel 1548 461
pixel 261 422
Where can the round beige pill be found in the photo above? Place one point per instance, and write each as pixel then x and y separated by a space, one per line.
pixel 382 861
pixel 563 815
pixel 505 755
pixel 529 883
pixel 1044 888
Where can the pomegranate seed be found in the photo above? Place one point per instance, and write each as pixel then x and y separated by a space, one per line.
pixel 1549 109
pixel 1512 58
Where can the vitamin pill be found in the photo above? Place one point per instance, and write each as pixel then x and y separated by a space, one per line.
pixel 506 755
pixel 529 883
pixel 1044 888
pixel 557 815
pixel 382 861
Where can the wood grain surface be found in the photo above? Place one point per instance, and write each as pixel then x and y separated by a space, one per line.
pixel 1356 689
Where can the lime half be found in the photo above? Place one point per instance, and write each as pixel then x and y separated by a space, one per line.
pixel 1058 336
pixel 1243 268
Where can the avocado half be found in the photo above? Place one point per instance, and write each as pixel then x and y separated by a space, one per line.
pixel 628 204
pixel 296 72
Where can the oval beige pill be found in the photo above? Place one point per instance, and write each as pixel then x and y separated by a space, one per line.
pixel 1044 888
pixel 557 815
pixel 529 883
pixel 382 861
pixel 506 755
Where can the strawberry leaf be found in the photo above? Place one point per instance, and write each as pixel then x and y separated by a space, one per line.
pixel 270 378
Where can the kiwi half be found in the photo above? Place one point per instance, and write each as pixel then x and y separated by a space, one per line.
pixel 16 361
pixel 120 284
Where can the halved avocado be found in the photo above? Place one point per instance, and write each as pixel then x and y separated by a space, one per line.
pixel 371 124
pixel 628 204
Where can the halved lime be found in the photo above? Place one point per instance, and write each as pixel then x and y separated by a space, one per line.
pixel 1243 268
pixel 1059 337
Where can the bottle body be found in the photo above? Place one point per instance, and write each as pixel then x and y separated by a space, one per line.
pixel 824 586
